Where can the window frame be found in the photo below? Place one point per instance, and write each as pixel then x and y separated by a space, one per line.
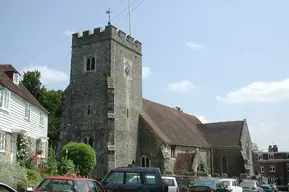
pixel 262 169
pixel 147 161
pixel 270 156
pixel 27 112
pixel 3 143
pixel 41 119
pixel 89 63
pixel 272 168
pixel 5 98
pixel 149 174
pixel 41 146
pixel 15 78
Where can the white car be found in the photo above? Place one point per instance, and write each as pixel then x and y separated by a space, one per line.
pixel 172 183
pixel 231 185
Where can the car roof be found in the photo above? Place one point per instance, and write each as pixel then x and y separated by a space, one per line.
pixel 137 169
pixel 164 177
pixel 228 179
pixel 68 178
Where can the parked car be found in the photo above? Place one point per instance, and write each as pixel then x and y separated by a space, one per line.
pixel 267 188
pixel 207 185
pixel 172 183
pixel 251 186
pixel 231 185
pixel 274 186
pixel 69 184
pixel 134 179
pixel 6 188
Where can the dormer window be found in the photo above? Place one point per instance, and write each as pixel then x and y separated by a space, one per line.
pixel 89 63
pixel 16 78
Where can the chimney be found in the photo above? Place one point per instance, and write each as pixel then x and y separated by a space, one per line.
pixel 275 148
pixel 270 149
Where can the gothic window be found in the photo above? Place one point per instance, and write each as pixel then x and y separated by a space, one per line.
pixel 126 113
pixel 145 161
pixel 88 110
pixel 127 70
pixel 84 140
pixel 224 165
pixel 88 140
pixel 90 63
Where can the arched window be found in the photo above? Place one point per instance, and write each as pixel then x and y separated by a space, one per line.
pixel 224 165
pixel 93 63
pixel 88 68
pixel 90 142
pixel 145 161
pixel 84 140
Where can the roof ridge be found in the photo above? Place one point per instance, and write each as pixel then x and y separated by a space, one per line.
pixel 219 122
pixel 171 108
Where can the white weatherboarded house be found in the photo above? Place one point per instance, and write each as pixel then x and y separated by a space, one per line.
pixel 20 113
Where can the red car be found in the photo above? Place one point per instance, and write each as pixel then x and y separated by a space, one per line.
pixel 69 184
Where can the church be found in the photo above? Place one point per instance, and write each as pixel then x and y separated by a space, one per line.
pixel 103 106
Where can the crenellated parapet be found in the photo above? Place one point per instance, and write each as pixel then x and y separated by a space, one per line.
pixel 109 33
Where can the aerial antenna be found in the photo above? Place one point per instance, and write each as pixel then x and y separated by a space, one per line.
pixel 109 14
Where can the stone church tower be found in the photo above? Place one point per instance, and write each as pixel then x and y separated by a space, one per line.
pixel 102 103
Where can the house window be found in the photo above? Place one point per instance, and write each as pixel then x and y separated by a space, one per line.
pixel 2 141
pixel 27 111
pixel 90 64
pixel 16 78
pixel 40 147
pixel 145 161
pixel 262 169
pixel 173 151
pixel 271 180
pixel 260 156
pixel 271 156
pixel 41 119
pixel 272 168
pixel 4 99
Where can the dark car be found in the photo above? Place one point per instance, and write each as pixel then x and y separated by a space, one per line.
pixel 207 185
pixel 69 184
pixel 6 188
pixel 134 179
pixel 267 188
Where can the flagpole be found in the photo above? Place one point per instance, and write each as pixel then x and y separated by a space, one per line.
pixel 129 14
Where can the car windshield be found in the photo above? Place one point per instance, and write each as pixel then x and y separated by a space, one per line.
pixel 169 182
pixel 56 185
pixel 247 184
pixel 209 183
pixel 225 183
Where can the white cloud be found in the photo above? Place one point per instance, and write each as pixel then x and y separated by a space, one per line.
pixel 146 72
pixel 48 74
pixel 202 119
pixel 68 33
pixel 259 92
pixel 195 46
pixel 180 87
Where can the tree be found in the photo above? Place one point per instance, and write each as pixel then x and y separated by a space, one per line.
pixel 255 147
pixel 31 80
pixel 82 155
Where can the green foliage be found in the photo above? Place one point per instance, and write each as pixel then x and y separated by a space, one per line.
pixel 282 188
pixel 23 157
pixel 34 177
pixel 12 174
pixel 50 99
pixel 82 155
pixel 51 163
pixel 66 166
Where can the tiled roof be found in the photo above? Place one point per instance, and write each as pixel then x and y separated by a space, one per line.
pixel 172 126
pixel 222 133
pixel 20 89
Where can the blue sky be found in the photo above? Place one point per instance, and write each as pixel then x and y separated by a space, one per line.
pixel 222 60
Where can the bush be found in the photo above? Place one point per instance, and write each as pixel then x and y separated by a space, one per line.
pixel 12 174
pixel 51 164
pixel 282 188
pixel 34 177
pixel 66 166
pixel 82 155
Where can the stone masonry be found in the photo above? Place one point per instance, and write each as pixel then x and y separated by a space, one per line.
pixel 104 104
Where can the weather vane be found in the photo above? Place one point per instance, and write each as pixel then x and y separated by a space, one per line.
pixel 109 14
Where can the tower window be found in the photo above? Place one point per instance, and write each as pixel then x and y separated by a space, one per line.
pixel 90 63
pixel 145 161
pixel 126 113
pixel 88 110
